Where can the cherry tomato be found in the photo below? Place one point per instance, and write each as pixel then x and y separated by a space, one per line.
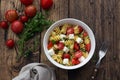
pixel 4 24
pixel 23 18
pixel 46 4
pixel 50 45
pixel 70 30
pixel 80 29
pixel 17 27
pixel 11 15
pixel 26 2
pixel 75 61
pixel 10 43
pixel 76 46
pixel 85 34
pixel 30 11
pixel 60 45
pixel 66 55
pixel 87 47
pixel 78 54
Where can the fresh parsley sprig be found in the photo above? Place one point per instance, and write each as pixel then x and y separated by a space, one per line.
pixel 34 25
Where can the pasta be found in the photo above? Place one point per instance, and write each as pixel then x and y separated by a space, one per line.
pixel 64 28
pixel 57 58
pixel 86 40
pixel 60 53
pixel 57 30
pixel 75 38
pixel 67 44
pixel 85 54
pixel 55 38
pixel 76 30
pixel 55 47
pixel 53 33
pixel 82 45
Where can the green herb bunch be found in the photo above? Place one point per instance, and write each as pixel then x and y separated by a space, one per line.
pixel 34 25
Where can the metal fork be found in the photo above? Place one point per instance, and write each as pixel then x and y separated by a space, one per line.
pixel 102 53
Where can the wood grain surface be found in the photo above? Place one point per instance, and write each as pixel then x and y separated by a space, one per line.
pixel 102 16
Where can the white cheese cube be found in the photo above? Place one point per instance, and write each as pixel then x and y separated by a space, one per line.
pixel 66 61
pixel 71 36
pixel 62 36
pixel 51 52
pixel 81 59
pixel 79 40
pixel 65 49
pixel 62 41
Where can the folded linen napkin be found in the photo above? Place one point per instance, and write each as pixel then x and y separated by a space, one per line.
pixel 36 71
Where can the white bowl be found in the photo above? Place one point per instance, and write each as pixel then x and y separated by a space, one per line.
pixel 75 22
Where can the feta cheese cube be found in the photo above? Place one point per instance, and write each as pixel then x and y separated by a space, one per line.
pixel 51 52
pixel 79 40
pixel 66 61
pixel 65 49
pixel 81 59
pixel 62 41
pixel 71 36
pixel 62 36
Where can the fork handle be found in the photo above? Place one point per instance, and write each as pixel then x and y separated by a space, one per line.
pixel 94 74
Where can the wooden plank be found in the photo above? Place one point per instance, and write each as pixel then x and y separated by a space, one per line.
pixel 58 11
pixel 109 32
pixel 10 65
pixel 107 27
pixel 112 24
pixel 102 17
pixel 4 69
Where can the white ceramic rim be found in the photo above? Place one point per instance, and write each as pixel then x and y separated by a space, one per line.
pixel 77 22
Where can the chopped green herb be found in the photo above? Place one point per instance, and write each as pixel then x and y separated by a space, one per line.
pixel 53 41
pixel 82 49
pixel 34 25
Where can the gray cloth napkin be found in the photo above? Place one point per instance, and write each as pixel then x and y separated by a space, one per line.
pixel 36 71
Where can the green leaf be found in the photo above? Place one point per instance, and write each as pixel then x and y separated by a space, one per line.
pixel 34 25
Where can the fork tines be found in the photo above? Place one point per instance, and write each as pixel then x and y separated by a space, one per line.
pixel 104 46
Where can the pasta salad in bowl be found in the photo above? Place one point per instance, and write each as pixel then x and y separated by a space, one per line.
pixel 69 43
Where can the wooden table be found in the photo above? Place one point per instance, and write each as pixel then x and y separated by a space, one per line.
pixel 103 17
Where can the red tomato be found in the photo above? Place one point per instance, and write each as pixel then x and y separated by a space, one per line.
pixel 11 15
pixel 87 47
pixel 23 19
pixel 50 45
pixel 10 43
pixel 66 55
pixel 30 11
pixel 76 46
pixel 85 34
pixel 17 27
pixel 46 4
pixel 4 24
pixel 78 54
pixel 80 29
pixel 26 2
pixel 70 30
pixel 60 45
pixel 75 61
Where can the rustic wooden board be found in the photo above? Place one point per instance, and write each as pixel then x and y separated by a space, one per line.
pixel 103 17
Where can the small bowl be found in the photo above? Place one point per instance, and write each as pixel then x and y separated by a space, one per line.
pixel 75 22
